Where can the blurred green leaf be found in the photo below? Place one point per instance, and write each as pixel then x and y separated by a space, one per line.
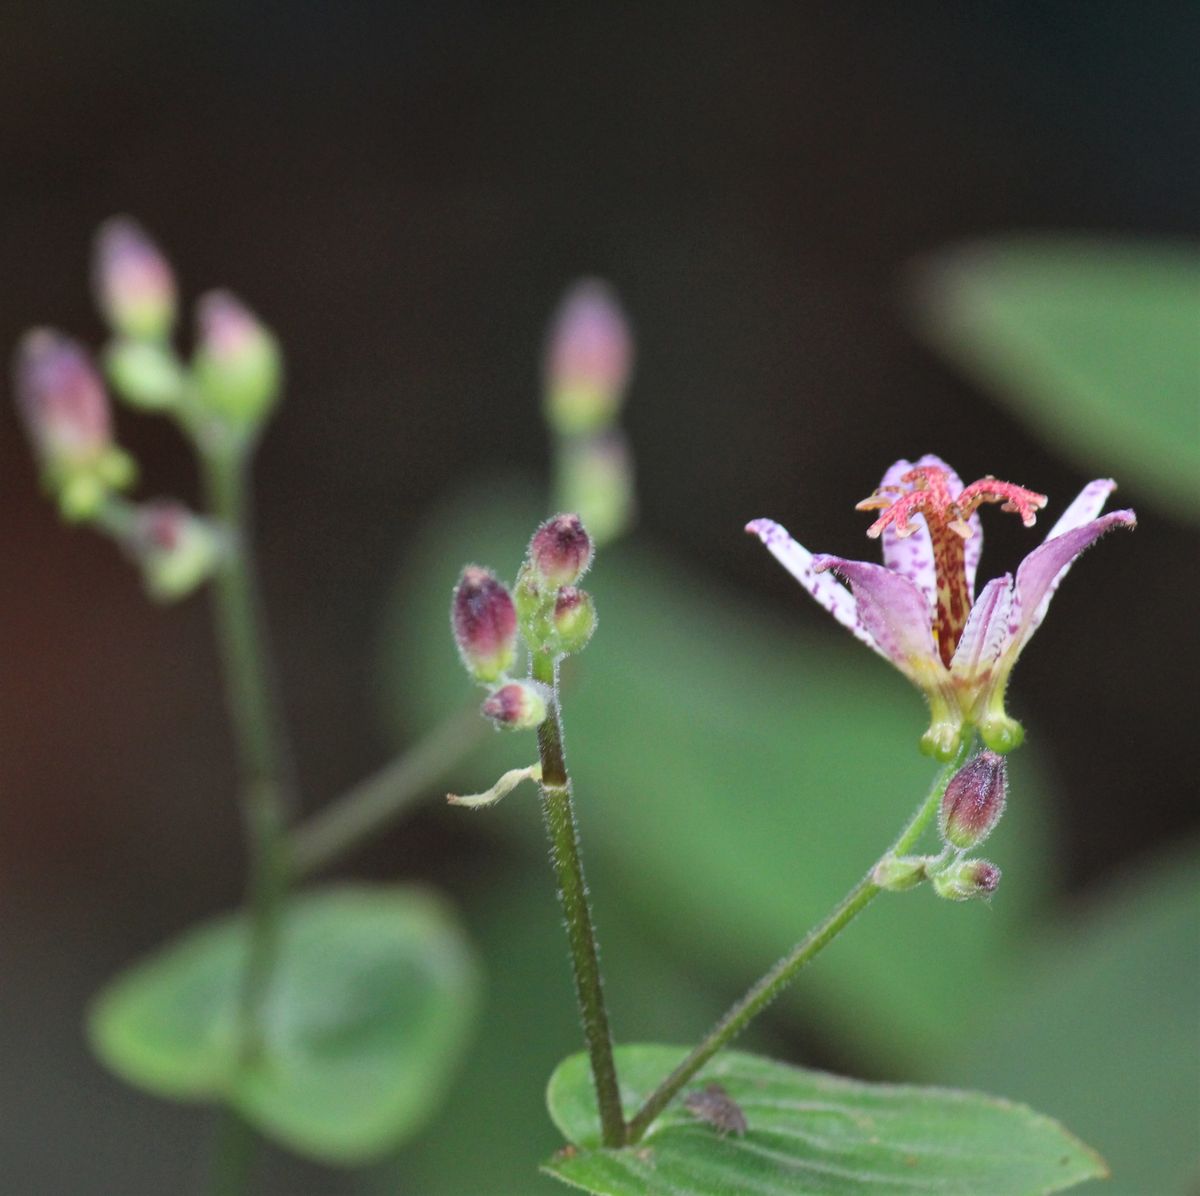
pixel 1101 1028
pixel 1096 343
pixel 734 778
pixel 810 1132
pixel 366 1020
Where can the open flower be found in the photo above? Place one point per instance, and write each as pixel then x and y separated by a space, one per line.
pixel 918 609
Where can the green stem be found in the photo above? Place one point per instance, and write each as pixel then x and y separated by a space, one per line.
pixel 373 803
pixel 263 768
pixel 559 814
pixel 765 990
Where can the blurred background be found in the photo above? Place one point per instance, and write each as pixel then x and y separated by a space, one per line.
pixel 403 191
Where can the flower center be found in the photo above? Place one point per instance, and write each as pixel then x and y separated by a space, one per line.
pixel 947 517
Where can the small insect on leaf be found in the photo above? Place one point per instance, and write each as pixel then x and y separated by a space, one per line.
pixel 714 1105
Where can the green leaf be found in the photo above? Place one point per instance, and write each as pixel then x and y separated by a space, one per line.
pixel 810 1132
pixel 1101 1027
pixel 365 1023
pixel 735 774
pixel 1093 342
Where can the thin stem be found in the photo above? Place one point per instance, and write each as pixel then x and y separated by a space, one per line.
pixel 263 767
pixel 233 1154
pixel 559 814
pixel 374 802
pixel 765 990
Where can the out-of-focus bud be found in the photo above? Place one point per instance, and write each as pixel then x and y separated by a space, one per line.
pixel 65 410
pixel 134 284
pixel 574 618
pixel 560 552
pixel 595 478
pixel 176 549
pixel 899 872
pixel 588 360
pixel 484 621
pixel 517 706
pixel 146 374
pixel 967 879
pixel 237 363
pixel 974 801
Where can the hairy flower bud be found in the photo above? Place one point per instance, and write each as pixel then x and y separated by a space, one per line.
pixel 517 706
pixel 589 357
pixel 574 619
pixel 65 410
pixel 176 549
pixel 134 284
pixel 560 552
pixel 967 879
pixel 237 363
pixel 974 801
pixel 485 624
pixel 899 872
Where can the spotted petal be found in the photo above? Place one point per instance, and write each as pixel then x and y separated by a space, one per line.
pixel 987 632
pixel 892 610
pixel 798 561
pixel 1041 571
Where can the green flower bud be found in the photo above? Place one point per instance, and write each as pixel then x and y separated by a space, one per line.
pixel 145 374
pixel 574 619
pixel 967 879
pixel 135 288
pixel 176 549
pixel 517 706
pixel 899 872
pixel 238 367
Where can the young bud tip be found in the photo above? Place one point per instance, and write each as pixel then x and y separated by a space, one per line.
pixel 517 706
pixel 237 362
pixel 176 549
pixel 560 551
pixel 133 281
pixel 967 879
pixel 484 622
pixel 974 801
pixel 574 618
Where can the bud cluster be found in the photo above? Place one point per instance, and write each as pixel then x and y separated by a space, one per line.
pixel 548 610
pixel 222 400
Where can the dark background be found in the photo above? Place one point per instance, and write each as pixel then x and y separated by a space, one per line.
pixel 403 190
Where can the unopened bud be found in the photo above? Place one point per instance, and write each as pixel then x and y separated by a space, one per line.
pixel 560 552
pixel 484 621
pixel 145 373
pixel 517 706
pixel 974 801
pixel 574 619
pixel 237 362
pixel 65 410
pixel 967 879
pixel 134 284
pixel 899 872
pixel 595 478
pixel 589 357
pixel 176 549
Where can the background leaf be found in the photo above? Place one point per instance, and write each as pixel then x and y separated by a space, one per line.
pixel 365 1022
pixel 811 1132
pixel 1093 342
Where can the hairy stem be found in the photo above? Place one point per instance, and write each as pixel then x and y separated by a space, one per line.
pixel 765 990
pixel 559 814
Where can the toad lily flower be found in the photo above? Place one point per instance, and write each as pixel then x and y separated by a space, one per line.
pixel 918 609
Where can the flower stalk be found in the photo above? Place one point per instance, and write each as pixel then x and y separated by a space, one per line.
pixel 765 990
pixel 558 812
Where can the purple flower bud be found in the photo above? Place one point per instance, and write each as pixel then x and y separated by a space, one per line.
pixel 967 879
pixel 177 549
pixel 484 621
pixel 574 618
pixel 560 551
pixel 237 361
pixel 134 284
pixel 974 800
pixel 61 400
pixel 517 706
pixel 589 357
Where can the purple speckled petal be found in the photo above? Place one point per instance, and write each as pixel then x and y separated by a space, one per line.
pixel 1044 568
pixel 987 633
pixel 798 561
pixel 893 611
pixel 1087 505
pixel 913 555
